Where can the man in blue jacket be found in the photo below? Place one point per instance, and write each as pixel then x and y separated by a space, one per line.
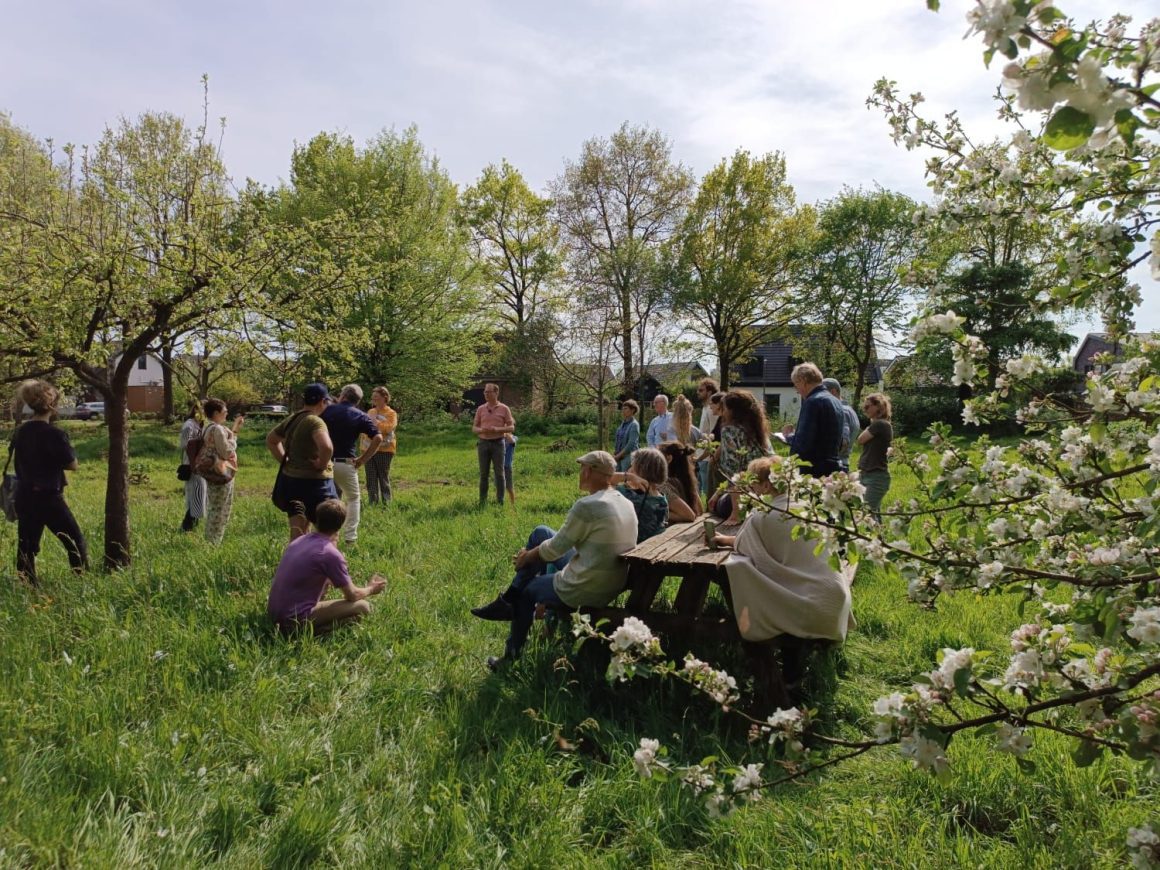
pixel 821 423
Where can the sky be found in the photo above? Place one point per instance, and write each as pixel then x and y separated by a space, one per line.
pixel 529 82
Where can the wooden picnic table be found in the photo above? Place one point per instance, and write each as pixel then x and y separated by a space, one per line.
pixel 680 552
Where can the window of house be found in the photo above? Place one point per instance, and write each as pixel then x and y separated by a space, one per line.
pixel 142 363
pixel 755 368
pixel 773 406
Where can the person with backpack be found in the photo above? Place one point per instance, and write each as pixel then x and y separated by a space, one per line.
pixel 218 463
pixel 189 443
pixel 42 454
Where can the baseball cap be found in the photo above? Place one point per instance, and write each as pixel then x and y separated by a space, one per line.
pixel 315 393
pixel 831 384
pixel 600 460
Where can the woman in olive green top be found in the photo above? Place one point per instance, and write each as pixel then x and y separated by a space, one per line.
pixel 873 470
pixel 301 444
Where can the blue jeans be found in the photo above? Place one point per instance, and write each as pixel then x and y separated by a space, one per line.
pixel 703 480
pixel 877 483
pixel 531 585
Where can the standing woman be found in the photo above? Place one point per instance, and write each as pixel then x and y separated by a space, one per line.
pixel 627 435
pixel 873 471
pixel 224 444
pixel 42 454
pixel 194 483
pixel 744 434
pixel 379 468
pixel 682 426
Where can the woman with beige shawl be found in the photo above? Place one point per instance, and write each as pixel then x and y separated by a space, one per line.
pixel 779 585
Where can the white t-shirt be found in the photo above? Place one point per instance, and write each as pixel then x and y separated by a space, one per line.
pixel 708 420
pixel 601 527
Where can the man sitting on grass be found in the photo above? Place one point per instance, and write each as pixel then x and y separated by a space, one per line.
pixel 309 565
pixel 585 555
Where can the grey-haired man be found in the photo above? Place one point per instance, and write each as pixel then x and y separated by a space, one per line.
pixel 585 554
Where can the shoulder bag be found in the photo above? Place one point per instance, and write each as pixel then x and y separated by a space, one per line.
pixel 279 495
pixel 8 487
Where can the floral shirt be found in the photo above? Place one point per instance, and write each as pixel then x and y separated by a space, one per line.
pixel 737 451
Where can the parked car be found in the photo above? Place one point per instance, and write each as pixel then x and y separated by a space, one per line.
pixel 270 410
pixel 89 411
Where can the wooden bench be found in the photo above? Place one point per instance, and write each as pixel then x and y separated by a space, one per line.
pixel 680 552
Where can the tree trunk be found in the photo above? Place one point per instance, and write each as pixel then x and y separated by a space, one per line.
pixel 723 369
pixel 167 382
pixel 117 553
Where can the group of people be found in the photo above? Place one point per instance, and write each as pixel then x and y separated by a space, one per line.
pixel 628 497
pixel 779 584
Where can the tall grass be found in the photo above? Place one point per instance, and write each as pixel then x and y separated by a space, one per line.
pixel 152 717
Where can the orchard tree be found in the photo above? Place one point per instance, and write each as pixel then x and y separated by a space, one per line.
pixel 616 206
pixel 113 248
pixel 1067 518
pixel 732 262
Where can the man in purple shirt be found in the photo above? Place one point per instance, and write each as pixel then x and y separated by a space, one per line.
pixel 309 565
pixel 345 421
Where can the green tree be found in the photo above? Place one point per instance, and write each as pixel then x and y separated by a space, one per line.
pixel 616 205
pixel 733 260
pixel 137 239
pixel 413 317
pixel 516 242
pixel 865 245
pixel 997 303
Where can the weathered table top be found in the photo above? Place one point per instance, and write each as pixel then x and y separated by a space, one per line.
pixel 682 545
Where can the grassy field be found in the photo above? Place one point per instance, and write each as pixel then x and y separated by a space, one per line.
pixel 152 717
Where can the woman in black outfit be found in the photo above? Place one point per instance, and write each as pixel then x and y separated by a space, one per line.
pixel 42 455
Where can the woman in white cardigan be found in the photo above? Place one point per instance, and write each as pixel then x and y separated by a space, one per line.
pixel 779 586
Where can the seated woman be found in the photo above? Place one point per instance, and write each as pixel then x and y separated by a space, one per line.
pixel 778 584
pixel 641 485
pixel 681 486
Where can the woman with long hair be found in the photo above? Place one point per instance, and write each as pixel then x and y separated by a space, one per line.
pixel 682 426
pixel 194 483
pixel 744 434
pixel 223 443
pixel 681 485
pixel 873 467
pixel 42 453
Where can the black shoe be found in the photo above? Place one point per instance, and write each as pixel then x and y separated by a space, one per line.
pixel 499 610
pixel 494 663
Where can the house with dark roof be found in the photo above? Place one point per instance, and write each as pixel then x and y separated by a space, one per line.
pixel 766 375
pixel 1095 344
pixel 667 376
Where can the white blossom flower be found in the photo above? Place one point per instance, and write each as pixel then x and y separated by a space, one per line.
pixel 989 573
pixel 1146 625
pixel 953 661
pixel 1025 671
pixel 1013 740
pixel 631 633
pixel 1144 845
pixel 996 20
pixel 645 758
pixel 923 752
pixel 748 781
